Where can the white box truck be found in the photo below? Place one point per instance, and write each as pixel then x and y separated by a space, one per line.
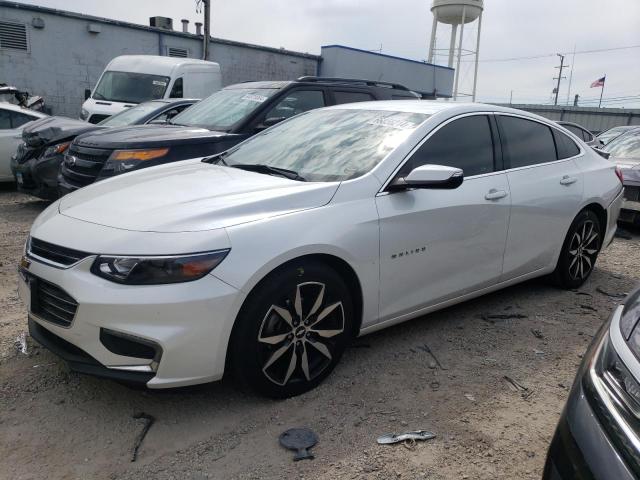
pixel 131 79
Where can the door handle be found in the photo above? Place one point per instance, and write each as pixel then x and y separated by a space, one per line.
pixel 567 180
pixel 494 194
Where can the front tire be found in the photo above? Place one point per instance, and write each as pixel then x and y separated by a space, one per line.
pixel 292 330
pixel 579 251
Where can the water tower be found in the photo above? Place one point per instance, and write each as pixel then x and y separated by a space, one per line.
pixel 454 13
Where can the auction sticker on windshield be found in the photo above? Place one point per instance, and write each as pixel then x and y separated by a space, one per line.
pixel 252 97
pixel 392 123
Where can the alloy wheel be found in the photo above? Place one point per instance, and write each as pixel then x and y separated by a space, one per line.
pixel 583 250
pixel 298 334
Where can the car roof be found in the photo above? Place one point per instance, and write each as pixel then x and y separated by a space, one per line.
pixel 320 81
pixel 174 100
pixel 17 108
pixel 431 107
pixel 153 64
pixel 443 109
pixel 265 84
pixel 562 122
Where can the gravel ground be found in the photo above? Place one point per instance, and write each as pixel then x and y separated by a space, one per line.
pixel 57 424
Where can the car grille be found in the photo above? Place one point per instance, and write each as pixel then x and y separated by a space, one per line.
pixel 82 165
pixel 49 302
pixel 54 253
pixel 632 193
pixel 97 118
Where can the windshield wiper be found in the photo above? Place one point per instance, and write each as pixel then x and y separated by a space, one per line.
pixel 269 170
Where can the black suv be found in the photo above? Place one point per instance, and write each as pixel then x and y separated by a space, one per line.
pixel 212 126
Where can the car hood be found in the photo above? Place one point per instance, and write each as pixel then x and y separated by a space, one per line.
pixel 143 136
pixel 191 196
pixel 50 130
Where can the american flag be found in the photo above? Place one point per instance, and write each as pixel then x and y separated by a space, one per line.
pixel 598 83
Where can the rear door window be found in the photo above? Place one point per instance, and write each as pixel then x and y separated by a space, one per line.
pixel 525 142
pixel 295 102
pixel 587 136
pixel 565 146
pixel 5 120
pixel 341 97
pixel 575 130
pixel 177 90
pixel 19 119
pixel 465 143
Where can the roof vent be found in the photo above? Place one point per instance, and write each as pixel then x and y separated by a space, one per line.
pixel 165 23
pixel 185 25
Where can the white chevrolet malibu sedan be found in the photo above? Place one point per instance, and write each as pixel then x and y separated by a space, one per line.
pixel 266 260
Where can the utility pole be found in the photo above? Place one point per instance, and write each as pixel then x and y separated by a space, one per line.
pixel 573 62
pixel 560 77
pixel 207 29
pixel 511 98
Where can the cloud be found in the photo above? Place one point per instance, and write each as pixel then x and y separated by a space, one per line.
pixel 510 29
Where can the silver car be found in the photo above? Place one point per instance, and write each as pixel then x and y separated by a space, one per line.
pixel 625 152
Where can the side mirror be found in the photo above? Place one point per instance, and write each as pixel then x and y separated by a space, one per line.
pixel 269 122
pixel 430 176
pixel 87 93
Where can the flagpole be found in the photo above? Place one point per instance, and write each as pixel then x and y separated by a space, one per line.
pixel 601 91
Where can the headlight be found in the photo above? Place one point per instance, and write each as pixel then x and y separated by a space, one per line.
pixel 157 270
pixel 614 395
pixel 56 149
pixel 84 114
pixel 122 161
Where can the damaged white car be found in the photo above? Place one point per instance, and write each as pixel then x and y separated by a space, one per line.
pixel 266 260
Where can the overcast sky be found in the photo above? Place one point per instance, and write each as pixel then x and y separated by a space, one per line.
pixel 511 28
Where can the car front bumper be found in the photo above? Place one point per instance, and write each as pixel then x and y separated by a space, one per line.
pixel 190 324
pixel 580 449
pixel 38 176
pixel 592 440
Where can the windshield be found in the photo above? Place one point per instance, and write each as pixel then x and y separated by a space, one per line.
pixel 131 115
pixel 224 108
pixel 130 87
pixel 328 145
pixel 625 146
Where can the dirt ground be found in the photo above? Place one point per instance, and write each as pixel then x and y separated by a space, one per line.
pixel 61 425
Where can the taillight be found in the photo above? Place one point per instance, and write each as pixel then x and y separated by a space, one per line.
pixel 619 174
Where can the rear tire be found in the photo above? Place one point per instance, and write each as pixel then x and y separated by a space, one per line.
pixel 579 251
pixel 292 330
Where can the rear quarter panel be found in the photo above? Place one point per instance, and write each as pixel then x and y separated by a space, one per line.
pixel 602 187
pixel 601 184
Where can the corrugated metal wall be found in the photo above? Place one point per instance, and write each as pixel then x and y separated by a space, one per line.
pixel 593 119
